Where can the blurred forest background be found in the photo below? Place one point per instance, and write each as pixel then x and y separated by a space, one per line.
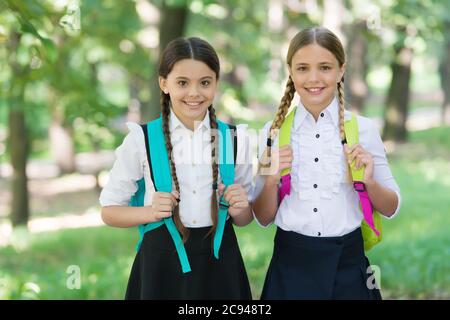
pixel 73 72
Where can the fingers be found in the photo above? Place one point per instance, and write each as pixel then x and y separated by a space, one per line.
pixel 176 195
pixel 233 189
pixel 236 196
pixel 166 196
pixel 221 189
pixel 285 150
pixel 163 214
pixel 357 156
pixel 164 202
pixel 286 157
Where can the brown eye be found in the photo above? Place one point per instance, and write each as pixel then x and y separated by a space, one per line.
pixel 182 83
pixel 205 83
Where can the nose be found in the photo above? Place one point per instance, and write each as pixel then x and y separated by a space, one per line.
pixel 193 91
pixel 313 76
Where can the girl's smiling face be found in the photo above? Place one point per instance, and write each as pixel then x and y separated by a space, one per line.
pixel 315 72
pixel 191 85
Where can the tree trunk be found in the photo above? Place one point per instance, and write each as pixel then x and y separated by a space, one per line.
pixel 397 102
pixel 172 25
pixel 355 75
pixel 444 73
pixel 18 147
pixel 18 144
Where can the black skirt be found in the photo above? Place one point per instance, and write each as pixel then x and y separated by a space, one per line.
pixel 156 272
pixel 304 267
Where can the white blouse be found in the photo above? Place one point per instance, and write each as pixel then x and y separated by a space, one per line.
pixel 192 158
pixel 322 200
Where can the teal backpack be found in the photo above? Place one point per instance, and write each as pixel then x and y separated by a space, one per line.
pixel 162 180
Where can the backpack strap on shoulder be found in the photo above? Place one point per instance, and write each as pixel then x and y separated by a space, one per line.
pixel 226 168
pixel 163 182
pixel 352 137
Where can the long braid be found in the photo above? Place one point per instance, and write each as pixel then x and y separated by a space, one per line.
pixel 340 87
pixel 279 117
pixel 215 167
pixel 165 108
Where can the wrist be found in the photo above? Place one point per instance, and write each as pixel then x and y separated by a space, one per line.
pixel 150 213
pixel 369 183
pixel 272 181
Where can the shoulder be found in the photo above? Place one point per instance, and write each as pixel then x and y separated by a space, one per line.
pixel 369 133
pixel 135 132
pixel 267 126
pixel 365 125
pixel 134 141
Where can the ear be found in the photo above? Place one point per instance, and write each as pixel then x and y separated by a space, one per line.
pixel 163 84
pixel 341 72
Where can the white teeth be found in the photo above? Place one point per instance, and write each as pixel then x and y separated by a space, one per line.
pixel 193 104
pixel 314 89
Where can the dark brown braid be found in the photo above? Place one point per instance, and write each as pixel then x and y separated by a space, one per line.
pixel 165 108
pixel 215 167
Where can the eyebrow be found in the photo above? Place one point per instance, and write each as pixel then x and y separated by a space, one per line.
pixel 187 78
pixel 307 64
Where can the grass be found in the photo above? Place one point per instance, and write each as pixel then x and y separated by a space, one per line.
pixel 414 256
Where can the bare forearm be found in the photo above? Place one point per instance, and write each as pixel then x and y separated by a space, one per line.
pixel 265 205
pixel 384 200
pixel 124 216
pixel 244 218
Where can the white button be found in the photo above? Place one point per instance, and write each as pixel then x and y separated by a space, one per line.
pixel 193 192
pixel 194 222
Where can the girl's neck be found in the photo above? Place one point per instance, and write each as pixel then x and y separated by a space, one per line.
pixel 316 110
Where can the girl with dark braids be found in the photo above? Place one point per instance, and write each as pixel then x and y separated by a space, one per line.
pixel 188 76
pixel 318 251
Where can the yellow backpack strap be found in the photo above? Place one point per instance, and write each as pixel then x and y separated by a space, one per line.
pixel 284 137
pixel 371 225
pixel 352 137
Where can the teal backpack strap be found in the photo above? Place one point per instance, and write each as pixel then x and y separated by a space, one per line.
pixel 226 168
pixel 163 182
pixel 138 199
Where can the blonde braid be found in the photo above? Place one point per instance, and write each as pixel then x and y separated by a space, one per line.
pixel 340 87
pixel 279 117
pixel 215 167
pixel 165 108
